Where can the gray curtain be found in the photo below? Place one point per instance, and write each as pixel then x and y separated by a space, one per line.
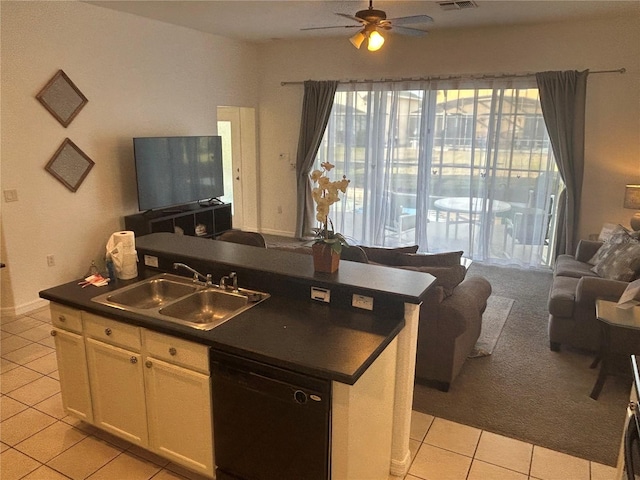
pixel 316 109
pixel 563 98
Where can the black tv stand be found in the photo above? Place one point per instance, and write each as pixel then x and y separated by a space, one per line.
pixel 171 211
pixel 192 219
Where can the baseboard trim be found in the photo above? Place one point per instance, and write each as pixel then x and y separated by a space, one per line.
pixel 399 468
pixel 24 309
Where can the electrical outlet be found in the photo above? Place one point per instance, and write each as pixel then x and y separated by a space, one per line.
pixel 51 261
pixel 360 301
pixel 151 261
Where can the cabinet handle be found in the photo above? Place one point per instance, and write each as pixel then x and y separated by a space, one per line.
pixel 62 318
pixel 133 360
pixel 148 364
pixel 53 333
pixel 172 351
pixel 107 331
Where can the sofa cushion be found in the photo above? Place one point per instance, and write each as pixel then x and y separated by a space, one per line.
pixel 447 259
pixel 387 256
pixel 621 262
pixel 619 235
pixel 567 266
pixel 293 248
pixel 354 253
pixel 446 277
pixel 562 296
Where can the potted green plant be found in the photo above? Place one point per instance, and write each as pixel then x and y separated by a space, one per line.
pixel 328 245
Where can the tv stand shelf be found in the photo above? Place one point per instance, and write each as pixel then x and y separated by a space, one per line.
pixel 191 219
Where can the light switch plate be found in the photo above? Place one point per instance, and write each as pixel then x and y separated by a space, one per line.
pixel 11 195
pixel 321 294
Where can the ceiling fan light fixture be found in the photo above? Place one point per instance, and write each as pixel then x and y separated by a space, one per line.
pixel 357 39
pixel 375 41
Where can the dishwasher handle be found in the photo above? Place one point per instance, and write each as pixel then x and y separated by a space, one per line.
pixel 264 384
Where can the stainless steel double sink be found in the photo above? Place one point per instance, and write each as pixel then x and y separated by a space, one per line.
pixel 180 300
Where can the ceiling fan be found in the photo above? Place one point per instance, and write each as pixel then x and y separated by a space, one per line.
pixel 370 21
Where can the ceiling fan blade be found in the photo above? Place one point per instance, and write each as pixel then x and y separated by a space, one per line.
pixel 414 32
pixel 411 20
pixel 351 17
pixel 334 26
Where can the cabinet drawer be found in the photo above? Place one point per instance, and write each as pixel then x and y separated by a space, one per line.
pixel 66 318
pixel 175 350
pixel 112 331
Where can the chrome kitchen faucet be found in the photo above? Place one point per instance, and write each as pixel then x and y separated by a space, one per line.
pixel 207 279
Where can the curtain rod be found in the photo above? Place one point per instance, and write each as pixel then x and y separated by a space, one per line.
pixel 452 77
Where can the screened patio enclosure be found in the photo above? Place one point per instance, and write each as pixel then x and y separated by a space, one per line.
pixel 446 167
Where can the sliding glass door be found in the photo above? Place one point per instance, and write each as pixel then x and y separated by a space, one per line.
pixel 445 166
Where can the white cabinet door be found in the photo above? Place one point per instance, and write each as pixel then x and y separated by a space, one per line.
pixel 179 413
pixel 117 391
pixel 74 379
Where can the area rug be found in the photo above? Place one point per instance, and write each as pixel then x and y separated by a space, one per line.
pixel 493 320
pixel 525 391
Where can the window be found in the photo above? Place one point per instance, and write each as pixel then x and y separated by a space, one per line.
pixel 449 167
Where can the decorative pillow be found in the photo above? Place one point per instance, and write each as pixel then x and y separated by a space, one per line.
pixel 388 256
pixel 446 277
pixel 621 262
pixel 606 231
pixel 618 235
pixel 446 259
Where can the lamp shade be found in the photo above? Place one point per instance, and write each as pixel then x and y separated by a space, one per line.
pixel 632 200
pixel 632 197
pixel 357 39
pixel 375 41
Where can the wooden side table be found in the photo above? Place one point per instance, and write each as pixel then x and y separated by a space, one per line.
pixel 612 317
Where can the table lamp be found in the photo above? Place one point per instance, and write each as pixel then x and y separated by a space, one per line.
pixel 632 200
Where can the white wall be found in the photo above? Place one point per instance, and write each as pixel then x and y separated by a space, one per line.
pixel 142 78
pixel 612 144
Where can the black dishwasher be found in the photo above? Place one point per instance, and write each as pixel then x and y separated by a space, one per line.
pixel 268 423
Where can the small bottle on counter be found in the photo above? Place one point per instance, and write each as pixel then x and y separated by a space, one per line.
pixel 111 271
pixel 93 269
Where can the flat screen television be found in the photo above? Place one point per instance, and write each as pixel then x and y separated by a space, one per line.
pixel 173 171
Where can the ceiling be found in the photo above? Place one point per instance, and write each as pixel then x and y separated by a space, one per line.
pixel 266 20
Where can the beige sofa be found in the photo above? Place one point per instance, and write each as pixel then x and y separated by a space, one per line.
pixel 578 280
pixel 451 316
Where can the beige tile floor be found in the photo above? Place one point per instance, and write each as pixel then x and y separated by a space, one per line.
pixel 38 441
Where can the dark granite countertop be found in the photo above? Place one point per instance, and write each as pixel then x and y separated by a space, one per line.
pixel 288 330
pixel 302 336
pixel 400 285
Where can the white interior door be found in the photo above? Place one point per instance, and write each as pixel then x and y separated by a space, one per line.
pixel 236 126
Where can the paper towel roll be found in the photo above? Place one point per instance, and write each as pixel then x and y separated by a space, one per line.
pixel 122 249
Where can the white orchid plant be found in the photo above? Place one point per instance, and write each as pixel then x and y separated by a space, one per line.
pixel 325 194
